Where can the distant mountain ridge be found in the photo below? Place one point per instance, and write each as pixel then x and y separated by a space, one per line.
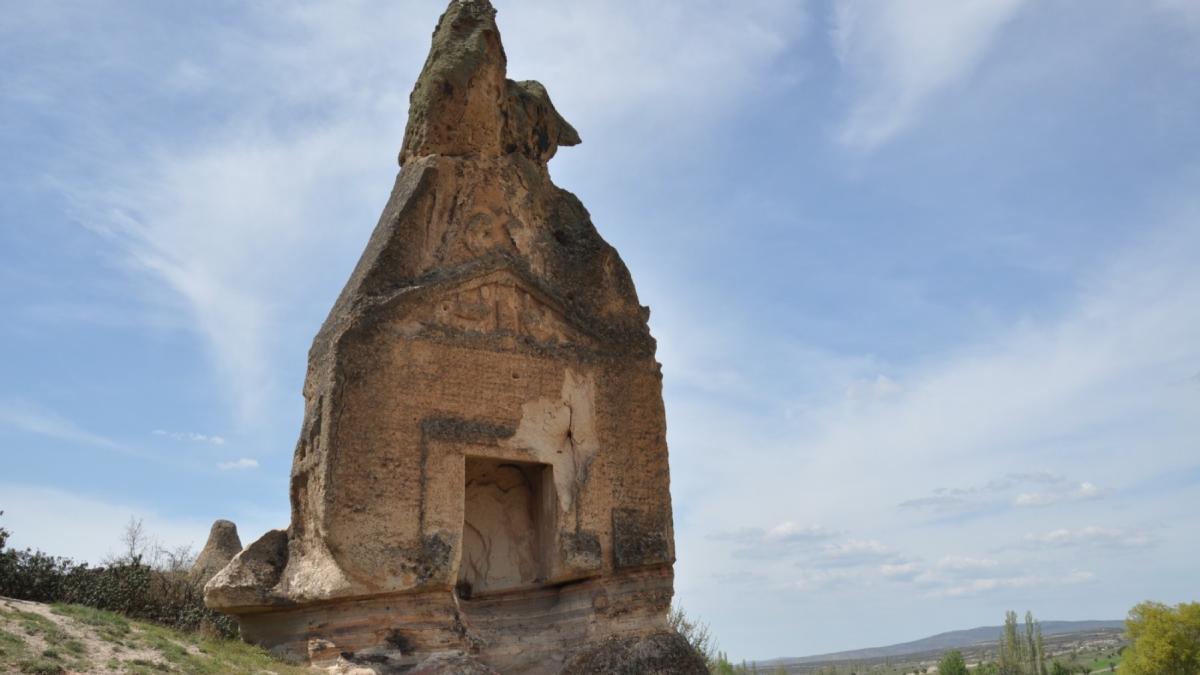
pixel 956 639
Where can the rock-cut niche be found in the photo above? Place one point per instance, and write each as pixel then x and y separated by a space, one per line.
pixel 508 525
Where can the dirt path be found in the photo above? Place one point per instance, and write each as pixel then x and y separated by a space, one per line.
pixel 66 639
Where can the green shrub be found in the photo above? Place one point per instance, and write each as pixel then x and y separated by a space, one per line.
pixel 128 586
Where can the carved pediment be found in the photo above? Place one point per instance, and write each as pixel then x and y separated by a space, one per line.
pixel 498 302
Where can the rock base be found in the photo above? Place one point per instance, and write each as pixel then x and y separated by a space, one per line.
pixel 566 628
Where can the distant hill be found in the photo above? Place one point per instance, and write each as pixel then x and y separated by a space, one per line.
pixel 957 639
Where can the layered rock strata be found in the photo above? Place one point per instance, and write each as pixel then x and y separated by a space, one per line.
pixel 482 467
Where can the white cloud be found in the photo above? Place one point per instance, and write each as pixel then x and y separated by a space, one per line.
pixel 1092 536
pixel 900 572
pixel 1077 493
pixel 780 541
pixel 238 465
pixel 961 576
pixel 880 388
pixel 990 584
pixel 900 55
pixel 853 553
pixel 821 579
pixel 190 436
pixel 959 565
pixel 1001 492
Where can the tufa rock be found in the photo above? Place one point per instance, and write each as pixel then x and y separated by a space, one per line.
pixel 482 465
pixel 244 581
pixel 223 543
pixel 462 104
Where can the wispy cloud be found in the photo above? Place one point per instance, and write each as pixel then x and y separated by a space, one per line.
pixel 811 580
pixel 242 220
pixel 982 585
pixel 782 540
pixel 959 576
pixel 190 436
pixel 853 553
pixel 1001 492
pixel 238 465
pixel 901 55
pixel 1092 536
pixel 1070 493
pixel 33 419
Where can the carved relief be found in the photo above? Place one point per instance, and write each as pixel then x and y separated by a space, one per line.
pixel 499 303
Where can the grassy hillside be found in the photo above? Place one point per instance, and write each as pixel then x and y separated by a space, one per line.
pixel 51 639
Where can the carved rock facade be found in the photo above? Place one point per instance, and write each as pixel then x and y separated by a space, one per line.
pixel 482 466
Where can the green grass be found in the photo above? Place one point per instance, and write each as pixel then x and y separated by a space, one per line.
pixel 145 667
pixel 36 624
pixel 11 646
pixel 40 667
pixel 173 651
pixel 111 627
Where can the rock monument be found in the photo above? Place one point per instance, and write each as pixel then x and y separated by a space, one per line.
pixel 481 473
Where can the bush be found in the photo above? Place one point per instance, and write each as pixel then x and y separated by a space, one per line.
pixel 696 633
pixel 161 593
pixel 952 663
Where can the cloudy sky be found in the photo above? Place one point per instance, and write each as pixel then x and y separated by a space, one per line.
pixel 923 276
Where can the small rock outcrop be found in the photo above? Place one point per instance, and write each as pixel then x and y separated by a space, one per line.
pixel 222 545
pixel 481 478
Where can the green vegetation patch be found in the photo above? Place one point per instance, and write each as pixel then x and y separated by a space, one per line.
pixel 174 651
pixel 146 667
pixel 40 667
pixel 11 646
pixel 36 624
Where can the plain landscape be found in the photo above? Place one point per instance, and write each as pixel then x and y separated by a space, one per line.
pixel 1094 644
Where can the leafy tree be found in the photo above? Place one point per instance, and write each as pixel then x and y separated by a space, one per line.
pixel 952 663
pixel 1164 640
pixel 1057 668
pixel 3 535
pixel 1022 651
pixel 1035 658
pixel 1012 649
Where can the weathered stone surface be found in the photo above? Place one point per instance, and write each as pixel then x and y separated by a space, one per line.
pixel 482 465
pixel 222 545
pixel 247 579
pixel 451 663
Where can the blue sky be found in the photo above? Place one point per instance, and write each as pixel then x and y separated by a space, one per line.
pixel 923 276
